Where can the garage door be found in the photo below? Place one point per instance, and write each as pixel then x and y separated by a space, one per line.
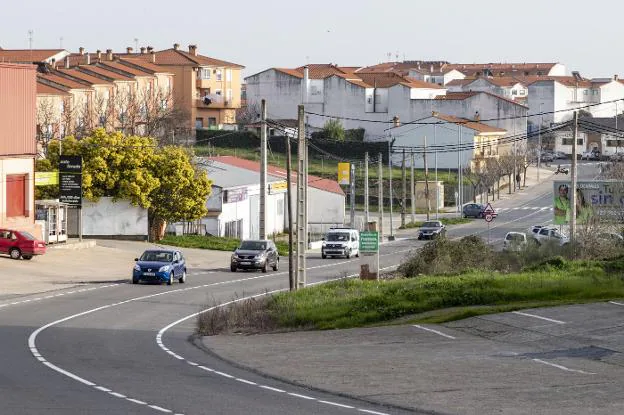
pixel 16 195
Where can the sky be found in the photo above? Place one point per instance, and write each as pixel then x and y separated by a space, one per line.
pixel 585 36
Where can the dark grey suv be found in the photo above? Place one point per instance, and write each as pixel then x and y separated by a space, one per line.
pixel 255 254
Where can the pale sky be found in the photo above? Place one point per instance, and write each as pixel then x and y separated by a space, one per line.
pixel 585 36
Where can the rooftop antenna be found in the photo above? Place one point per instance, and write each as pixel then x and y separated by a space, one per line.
pixel 136 44
pixel 61 42
pixel 307 60
pixel 30 41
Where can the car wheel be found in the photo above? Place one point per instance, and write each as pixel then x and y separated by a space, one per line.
pixel 233 268
pixel 135 280
pixel 276 266
pixel 170 280
pixel 358 254
pixel 27 257
pixel 348 254
pixel 323 255
pixel 264 267
pixel 182 279
pixel 15 253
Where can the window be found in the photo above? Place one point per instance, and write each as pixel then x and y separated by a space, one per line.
pixel 16 195
pixel 522 92
pixel 514 92
pixel 212 121
pixel 199 122
pixel 584 92
pixel 218 92
pixel 203 73
pixel 568 141
pixel 219 74
pixel 615 143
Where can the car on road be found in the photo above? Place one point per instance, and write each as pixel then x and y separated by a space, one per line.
pixel 160 265
pixel 547 157
pixel 20 244
pixel 341 242
pixel 590 155
pixel 475 210
pixel 255 254
pixel 431 229
pixel 550 233
pixel 514 241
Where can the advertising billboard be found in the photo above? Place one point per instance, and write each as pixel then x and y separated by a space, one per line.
pixel 596 200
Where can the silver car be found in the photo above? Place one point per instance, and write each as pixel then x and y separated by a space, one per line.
pixel 431 230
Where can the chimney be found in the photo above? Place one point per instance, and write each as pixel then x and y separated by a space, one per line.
pixel 81 50
pixel 143 50
pixel 128 50
pixel 304 84
pixel 153 57
pixel 99 55
pixel 395 121
pixel 176 46
pixel 66 62
pixel 150 49
pixel 88 58
pixel 615 77
pixel 193 50
pixel 477 116
pixel 434 113
pixel 109 54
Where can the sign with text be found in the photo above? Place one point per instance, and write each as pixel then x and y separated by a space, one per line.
pixel 369 242
pixel 235 195
pixel 601 200
pixel 344 173
pixel 70 180
pixel 277 187
pixel 46 178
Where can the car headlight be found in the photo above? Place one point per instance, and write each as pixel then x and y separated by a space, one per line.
pixel 137 267
pixel 260 256
pixel 164 268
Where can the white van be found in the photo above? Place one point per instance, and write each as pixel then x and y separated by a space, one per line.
pixel 341 242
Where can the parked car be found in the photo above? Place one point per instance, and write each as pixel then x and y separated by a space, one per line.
pixel 432 229
pixel 475 210
pixel 20 244
pixel 590 155
pixel 160 265
pixel 341 242
pixel 560 155
pixel 255 254
pixel 550 233
pixel 547 157
pixel 514 241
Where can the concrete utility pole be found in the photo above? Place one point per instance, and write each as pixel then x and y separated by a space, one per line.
pixel 391 237
pixel 573 186
pixel 352 196
pixel 301 200
pixel 412 190
pixel 380 202
pixel 539 143
pixel 459 154
pixel 263 169
pixel 437 189
pixel 291 266
pixel 426 179
pixel 403 190
pixel 366 213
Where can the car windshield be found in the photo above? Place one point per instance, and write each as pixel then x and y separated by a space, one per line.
pixel 28 236
pixel 342 236
pixel 157 256
pixel 253 245
pixel 431 225
pixel 515 237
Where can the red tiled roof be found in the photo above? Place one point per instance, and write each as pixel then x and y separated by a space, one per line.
pixel 180 57
pixel 61 80
pixel 27 55
pixel 468 94
pixel 45 89
pixel 148 66
pixel 501 69
pixel 565 80
pixel 93 80
pixel 473 125
pixel 124 68
pixel 327 185
pixel 105 72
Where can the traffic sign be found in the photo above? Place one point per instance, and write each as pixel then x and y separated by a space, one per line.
pixel 488 209
pixel 369 242
pixel 489 217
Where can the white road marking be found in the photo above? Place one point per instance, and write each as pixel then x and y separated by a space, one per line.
pixel 539 317
pixel 137 401
pixel 272 389
pixel 434 331
pixel 47 297
pixel 337 404
pixel 158 408
pixel 616 303
pixel 567 369
pixel 117 394
pixel 296 395
pixel 246 381
pixel 371 412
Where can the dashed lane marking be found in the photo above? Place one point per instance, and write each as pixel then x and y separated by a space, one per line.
pixel 538 317
pixel 434 331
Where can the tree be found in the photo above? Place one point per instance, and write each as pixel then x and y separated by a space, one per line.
pixel 248 114
pixel 507 164
pixel 334 129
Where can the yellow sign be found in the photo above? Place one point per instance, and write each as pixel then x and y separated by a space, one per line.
pixel 278 187
pixel 46 178
pixel 343 173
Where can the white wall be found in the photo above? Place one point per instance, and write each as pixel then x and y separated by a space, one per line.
pixel 281 91
pixel 614 90
pixel 324 207
pixel 9 166
pixel 108 218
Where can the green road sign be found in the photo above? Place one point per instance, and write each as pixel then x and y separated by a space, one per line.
pixel 369 242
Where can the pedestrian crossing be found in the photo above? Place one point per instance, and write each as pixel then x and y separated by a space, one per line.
pixel 540 208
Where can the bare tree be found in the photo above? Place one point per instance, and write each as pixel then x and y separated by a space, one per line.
pixel 507 164
pixel 248 114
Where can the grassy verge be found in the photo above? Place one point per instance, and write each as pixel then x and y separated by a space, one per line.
pixel 446 221
pixel 215 243
pixel 355 303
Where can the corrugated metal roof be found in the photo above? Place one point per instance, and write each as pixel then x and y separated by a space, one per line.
pixel 226 175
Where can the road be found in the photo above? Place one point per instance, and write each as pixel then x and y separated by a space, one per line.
pixel 122 348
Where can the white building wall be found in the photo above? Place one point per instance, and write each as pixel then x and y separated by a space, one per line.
pixel 108 218
pixel 281 91
pixel 425 93
pixel 15 165
pixel 612 91
pixel 324 208
pixel 558 70
pixel 542 96
pixel 235 211
pixel 452 75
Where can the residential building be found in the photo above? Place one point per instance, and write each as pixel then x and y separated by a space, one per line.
pixel 208 89
pixel 477 141
pixel 503 69
pixel 18 147
pixel 51 102
pixel 28 56
pixel 505 86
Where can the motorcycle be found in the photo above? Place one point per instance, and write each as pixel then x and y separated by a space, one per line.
pixel 561 170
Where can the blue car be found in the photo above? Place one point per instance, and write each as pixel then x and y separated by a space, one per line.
pixel 159 265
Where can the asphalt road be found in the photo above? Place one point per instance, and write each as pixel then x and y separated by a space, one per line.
pixel 122 348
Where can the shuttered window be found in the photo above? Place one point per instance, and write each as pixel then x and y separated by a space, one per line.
pixel 16 195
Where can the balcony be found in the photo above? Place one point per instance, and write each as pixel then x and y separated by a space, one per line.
pixel 214 101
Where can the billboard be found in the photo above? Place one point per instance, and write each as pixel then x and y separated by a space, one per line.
pixel 596 200
pixel 343 173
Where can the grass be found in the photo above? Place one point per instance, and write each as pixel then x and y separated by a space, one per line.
pixel 446 221
pixel 215 243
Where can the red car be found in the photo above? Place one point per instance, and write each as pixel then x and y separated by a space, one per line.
pixel 20 244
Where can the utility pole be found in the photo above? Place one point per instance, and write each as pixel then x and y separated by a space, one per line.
pixel 352 197
pixel 366 213
pixel 391 237
pixel 437 188
pixel 412 190
pixel 573 187
pixel 263 169
pixel 301 201
pixel 403 190
pixel 539 143
pixel 291 266
pixel 459 202
pixel 380 203
pixel 426 179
